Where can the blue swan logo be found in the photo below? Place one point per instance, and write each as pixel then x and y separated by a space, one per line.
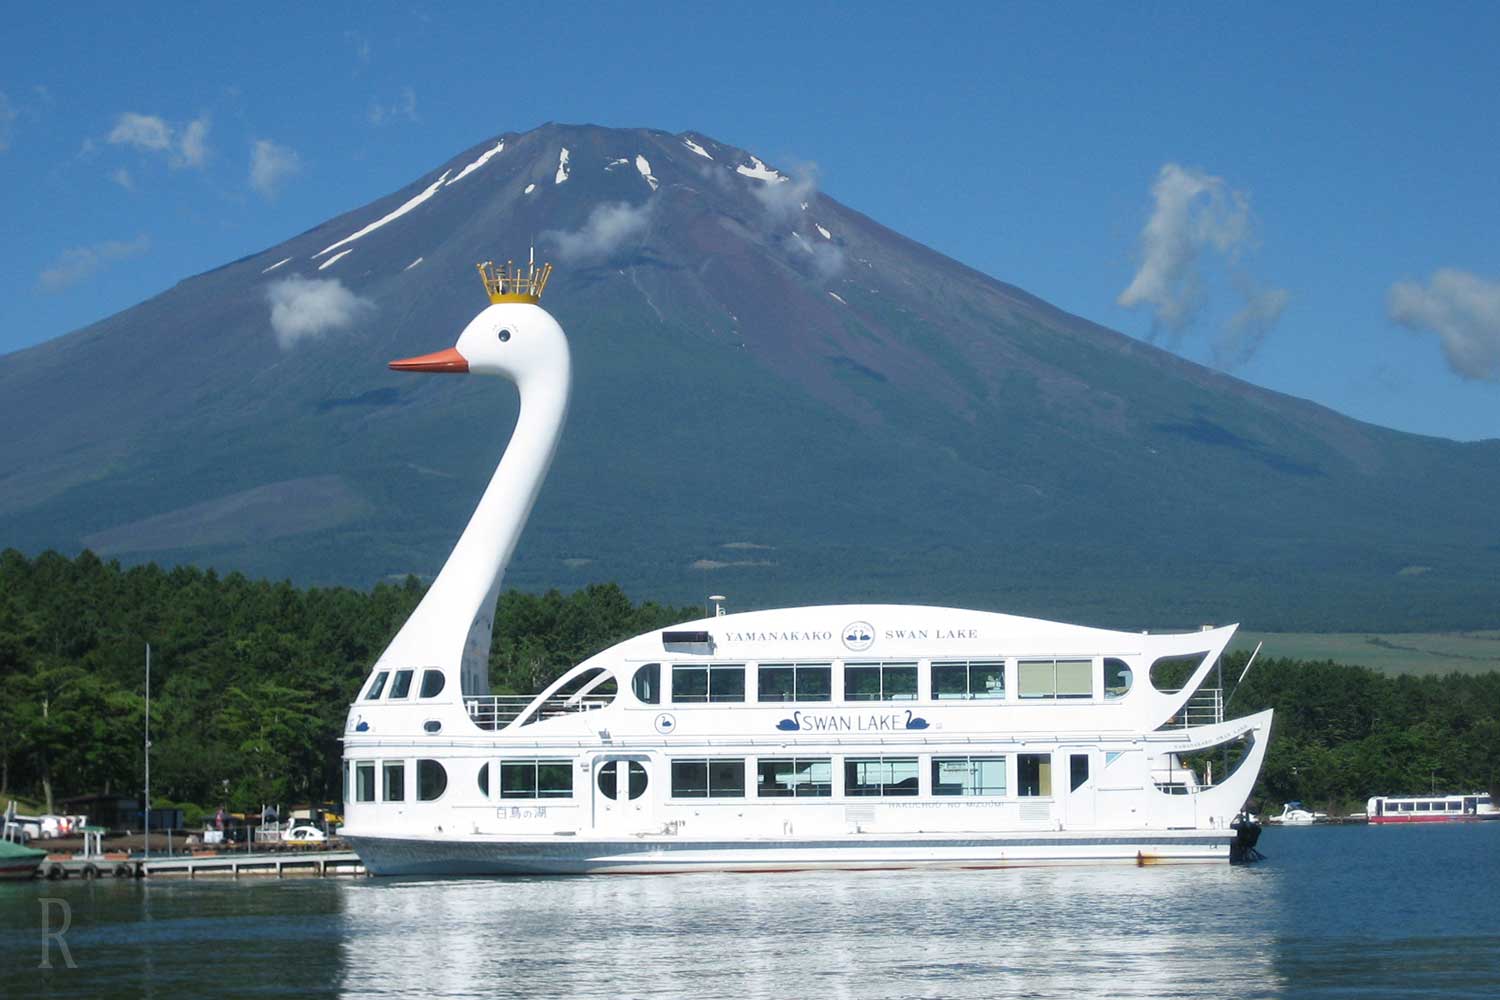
pixel 917 723
pixel 793 724
pixel 859 636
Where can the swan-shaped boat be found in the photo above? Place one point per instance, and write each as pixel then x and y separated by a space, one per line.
pixel 845 736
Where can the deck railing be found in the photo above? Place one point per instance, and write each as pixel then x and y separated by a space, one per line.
pixel 496 711
pixel 1204 708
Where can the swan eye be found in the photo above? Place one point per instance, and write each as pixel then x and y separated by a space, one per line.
pixel 504 335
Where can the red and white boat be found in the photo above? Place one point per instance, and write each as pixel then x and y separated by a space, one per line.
pixel 1430 808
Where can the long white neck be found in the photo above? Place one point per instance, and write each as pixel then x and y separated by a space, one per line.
pixel 452 626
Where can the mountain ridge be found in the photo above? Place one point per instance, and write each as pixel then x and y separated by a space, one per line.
pixel 756 365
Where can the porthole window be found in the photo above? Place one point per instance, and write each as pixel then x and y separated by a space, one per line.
pixel 647 684
pixel 432 780
pixel 504 334
pixel 432 683
pixel 609 779
pixel 1117 678
pixel 484 780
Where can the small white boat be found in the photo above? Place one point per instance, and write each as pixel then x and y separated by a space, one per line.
pixel 1292 814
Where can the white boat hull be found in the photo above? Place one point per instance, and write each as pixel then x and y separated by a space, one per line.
pixel 663 855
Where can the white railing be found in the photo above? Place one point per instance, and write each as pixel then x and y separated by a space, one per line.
pixel 496 711
pixel 1204 708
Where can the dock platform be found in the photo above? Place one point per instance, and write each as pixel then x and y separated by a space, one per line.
pixel 279 864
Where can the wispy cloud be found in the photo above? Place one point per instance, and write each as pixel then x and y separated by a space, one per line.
pixel 304 308
pixel 8 116
pixel 1196 216
pixel 270 165
pixel 609 228
pixel 79 263
pixel 1463 309
pixel 122 177
pixel 186 146
pixel 404 108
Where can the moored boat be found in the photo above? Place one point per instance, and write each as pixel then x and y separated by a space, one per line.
pixel 845 736
pixel 19 861
pixel 1474 807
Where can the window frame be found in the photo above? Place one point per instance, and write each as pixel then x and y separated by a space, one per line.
pixel 709 669
pixel 886 788
pixel 881 667
pixel 710 790
pixel 971 761
pixel 969 694
pixel 793 792
pixel 798 668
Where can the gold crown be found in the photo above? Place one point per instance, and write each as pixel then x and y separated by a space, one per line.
pixel 509 283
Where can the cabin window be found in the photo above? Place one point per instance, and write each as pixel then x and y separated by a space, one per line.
pixel 795 682
pixel 393 781
pixel 377 685
pixel 484 780
pixel 1056 678
pixel 432 780
pixel 799 777
pixel 346 781
pixel 708 779
pixel 968 679
pixel 364 781
pixel 1117 678
pixel 968 776
pixel 1078 770
pixel 880 681
pixel 609 779
pixel 535 779
pixel 1424 807
pixel 713 682
pixel 1034 774
pixel 401 687
pixel 880 776
pixel 432 683
pixel 646 684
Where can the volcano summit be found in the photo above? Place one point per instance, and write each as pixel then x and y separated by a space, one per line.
pixel 775 397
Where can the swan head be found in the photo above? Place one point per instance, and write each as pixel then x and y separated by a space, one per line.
pixel 516 340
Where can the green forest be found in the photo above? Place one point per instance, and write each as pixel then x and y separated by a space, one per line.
pixel 251 681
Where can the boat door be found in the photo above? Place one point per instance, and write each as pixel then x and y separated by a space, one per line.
pixel 1079 806
pixel 622 793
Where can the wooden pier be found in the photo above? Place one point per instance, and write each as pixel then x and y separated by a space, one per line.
pixel 280 864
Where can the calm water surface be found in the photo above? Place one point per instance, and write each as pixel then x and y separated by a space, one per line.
pixel 1335 912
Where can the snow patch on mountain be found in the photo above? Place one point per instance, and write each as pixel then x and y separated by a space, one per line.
pixel 335 258
pixel 413 264
pixel 413 203
pixel 562 166
pixel 276 265
pixel 825 233
pixel 484 158
pixel 530 188
pixel 839 297
pixel 690 144
pixel 644 166
pixel 759 171
pixel 616 163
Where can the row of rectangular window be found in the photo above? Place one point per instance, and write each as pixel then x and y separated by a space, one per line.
pixel 716 777
pixel 881 681
pixel 432 685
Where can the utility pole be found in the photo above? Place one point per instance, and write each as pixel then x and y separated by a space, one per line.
pixel 148 751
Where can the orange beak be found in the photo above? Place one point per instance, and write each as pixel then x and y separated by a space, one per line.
pixel 448 362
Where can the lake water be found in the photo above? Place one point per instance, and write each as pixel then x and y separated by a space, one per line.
pixel 1333 912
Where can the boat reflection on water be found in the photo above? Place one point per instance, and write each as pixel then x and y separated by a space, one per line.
pixel 1086 932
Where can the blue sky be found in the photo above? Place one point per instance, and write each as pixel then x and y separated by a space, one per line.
pixel 1304 195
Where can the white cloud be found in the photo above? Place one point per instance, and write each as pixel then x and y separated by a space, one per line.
pixel 145 132
pixel 8 115
pixel 609 227
pixel 79 263
pixel 270 164
pixel 784 199
pixel 153 134
pixel 122 177
pixel 193 144
pixel 302 308
pixel 404 108
pixel 1194 215
pixel 1463 309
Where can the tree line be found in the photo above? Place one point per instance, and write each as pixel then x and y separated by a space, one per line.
pixel 251 680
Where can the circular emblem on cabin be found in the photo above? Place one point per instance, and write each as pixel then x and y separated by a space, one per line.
pixel 859 636
pixel 666 723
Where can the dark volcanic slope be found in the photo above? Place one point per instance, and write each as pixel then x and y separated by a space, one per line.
pixel 775 397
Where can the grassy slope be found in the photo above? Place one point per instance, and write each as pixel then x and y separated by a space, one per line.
pixel 1391 652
